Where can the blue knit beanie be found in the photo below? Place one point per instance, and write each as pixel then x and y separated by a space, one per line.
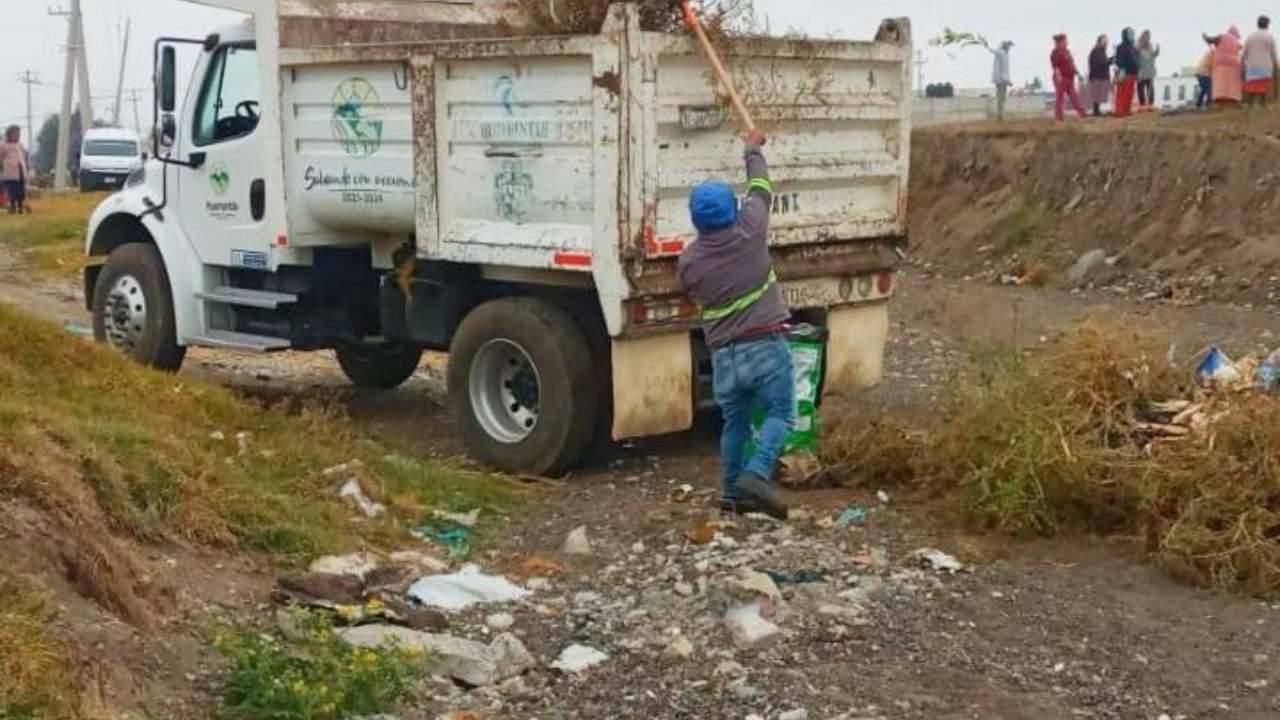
pixel 713 206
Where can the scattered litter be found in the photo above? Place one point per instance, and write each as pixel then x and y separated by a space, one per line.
pixel 353 493
pixel 883 497
pixel 679 648
pixel 456 538
pixel 77 329
pixel 800 577
pixel 467 520
pixel 421 560
pixel 346 469
pixel 578 658
pixel 1217 370
pixel 465 588
pixel 747 628
pixel 577 543
pixel 753 584
pixel 851 516
pixel 1267 376
pixel 798 714
pixel 500 621
pixel 1257 684
pixel 242 442
pixel 217 436
pixel 938 560
pixel 358 564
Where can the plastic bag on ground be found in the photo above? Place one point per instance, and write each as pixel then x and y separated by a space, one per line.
pixel 467 587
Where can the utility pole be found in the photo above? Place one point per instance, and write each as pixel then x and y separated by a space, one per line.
pixel 77 64
pixel 29 79
pixel 64 116
pixel 135 96
pixel 920 63
pixel 124 54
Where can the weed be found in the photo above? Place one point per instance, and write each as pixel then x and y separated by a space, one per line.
pixel 561 17
pixel 314 676
pixel 36 682
pixel 1021 228
pixel 874 452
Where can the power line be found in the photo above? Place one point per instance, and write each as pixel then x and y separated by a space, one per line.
pixel 30 79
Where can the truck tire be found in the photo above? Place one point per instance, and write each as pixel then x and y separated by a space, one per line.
pixel 379 367
pixel 133 307
pixel 523 388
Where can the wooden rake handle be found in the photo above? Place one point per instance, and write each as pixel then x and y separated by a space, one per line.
pixel 717 65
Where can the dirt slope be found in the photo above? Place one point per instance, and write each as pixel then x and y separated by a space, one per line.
pixel 1183 202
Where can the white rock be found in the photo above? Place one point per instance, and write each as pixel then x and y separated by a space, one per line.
pixel 500 621
pixel 464 519
pixel 466 661
pixel 938 560
pixel 747 628
pixel 798 714
pixel 538 584
pixel 729 668
pixel 684 589
pixel 578 658
pixel 679 648
pixel 358 564
pixel 354 495
pixel 577 542
pixel 756 583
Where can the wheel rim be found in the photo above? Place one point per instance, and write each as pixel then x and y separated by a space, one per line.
pixel 124 317
pixel 505 391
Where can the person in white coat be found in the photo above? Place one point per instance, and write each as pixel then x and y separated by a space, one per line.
pixel 1001 76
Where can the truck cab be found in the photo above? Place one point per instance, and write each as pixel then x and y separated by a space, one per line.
pixel 412 177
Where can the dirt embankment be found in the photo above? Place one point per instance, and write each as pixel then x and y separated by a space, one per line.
pixel 1183 208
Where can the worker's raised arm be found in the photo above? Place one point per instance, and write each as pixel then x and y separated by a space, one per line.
pixel 754 218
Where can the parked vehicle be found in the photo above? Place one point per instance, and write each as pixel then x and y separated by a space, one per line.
pixel 412 176
pixel 108 156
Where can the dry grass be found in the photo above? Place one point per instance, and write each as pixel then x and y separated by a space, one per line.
pixel 1054 443
pixel 579 17
pixel 52 236
pixel 114 454
pixel 876 453
pixel 36 681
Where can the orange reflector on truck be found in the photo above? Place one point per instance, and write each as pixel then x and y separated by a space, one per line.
pixel 572 259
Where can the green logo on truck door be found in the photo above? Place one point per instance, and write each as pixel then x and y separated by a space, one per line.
pixel 219 179
pixel 355 122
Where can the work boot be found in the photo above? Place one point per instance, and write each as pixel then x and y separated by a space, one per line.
pixel 762 496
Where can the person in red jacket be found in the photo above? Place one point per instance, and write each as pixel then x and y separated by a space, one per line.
pixel 1064 77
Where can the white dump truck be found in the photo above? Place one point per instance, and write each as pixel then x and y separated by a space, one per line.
pixel 382 177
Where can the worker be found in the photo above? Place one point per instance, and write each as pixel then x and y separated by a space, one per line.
pixel 1100 74
pixel 1228 70
pixel 1204 78
pixel 1128 64
pixel 729 273
pixel 1001 76
pixel 1259 63
pixel 1064 77
pixel 1148 54
pixel 13 170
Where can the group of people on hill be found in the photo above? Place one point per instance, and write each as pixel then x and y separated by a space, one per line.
pixel 1233 70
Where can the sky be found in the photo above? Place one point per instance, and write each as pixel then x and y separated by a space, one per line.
pixel 31 39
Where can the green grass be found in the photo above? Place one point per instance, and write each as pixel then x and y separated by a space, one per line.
pixel 36 680
pixel 159 454
pixel 52 235
pixel 311 676
pixel 1021 228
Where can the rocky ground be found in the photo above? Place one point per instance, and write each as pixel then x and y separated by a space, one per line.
pixel 843 622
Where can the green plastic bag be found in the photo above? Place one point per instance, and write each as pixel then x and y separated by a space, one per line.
pixel 808 349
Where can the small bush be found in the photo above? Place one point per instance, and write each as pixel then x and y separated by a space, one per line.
pixel 872 452
pixel 316 676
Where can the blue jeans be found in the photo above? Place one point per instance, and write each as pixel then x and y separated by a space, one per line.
pixel 1204 91
pixel 756 374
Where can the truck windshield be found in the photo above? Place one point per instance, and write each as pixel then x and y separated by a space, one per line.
pixel 111 148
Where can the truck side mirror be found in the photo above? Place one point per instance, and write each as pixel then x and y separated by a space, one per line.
pixel 167 79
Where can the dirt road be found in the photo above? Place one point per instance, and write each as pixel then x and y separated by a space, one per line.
pixel 1074 628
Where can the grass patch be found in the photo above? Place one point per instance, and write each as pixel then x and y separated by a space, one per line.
pixel 311 676
pixel 52 235
pixel 36 681
pixel 1022 227
pixel 113 449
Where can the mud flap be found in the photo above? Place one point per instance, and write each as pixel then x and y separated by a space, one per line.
pixel 855 348
pixel 652 386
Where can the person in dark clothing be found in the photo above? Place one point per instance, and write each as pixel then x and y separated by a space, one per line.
pixel 1128 65
pixel 1100 75
pixel 729 273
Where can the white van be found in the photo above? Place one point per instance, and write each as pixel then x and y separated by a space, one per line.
pixel 107 157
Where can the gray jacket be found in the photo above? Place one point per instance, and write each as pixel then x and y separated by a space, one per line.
pixel 726 266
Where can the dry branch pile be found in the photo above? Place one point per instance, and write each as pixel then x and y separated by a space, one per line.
pixel 577 17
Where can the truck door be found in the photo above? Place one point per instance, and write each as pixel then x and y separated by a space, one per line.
pixel 224 200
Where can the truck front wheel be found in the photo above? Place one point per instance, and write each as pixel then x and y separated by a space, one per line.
pixel 133 307
pixel 522 386
pixel 379 367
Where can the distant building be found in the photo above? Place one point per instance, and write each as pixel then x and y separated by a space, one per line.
pixel 1176 92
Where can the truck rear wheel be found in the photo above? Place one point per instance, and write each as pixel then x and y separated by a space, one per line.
pixel 133 307
pixel 379 367
pixel 522 386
